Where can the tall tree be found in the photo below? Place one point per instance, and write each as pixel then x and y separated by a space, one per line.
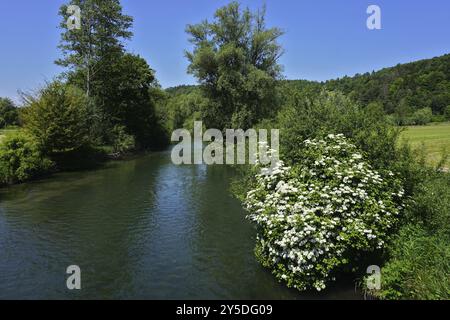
pixel 235 58
pixel 90 52
pixel 130 91
pixel 121 87
pixel 97 42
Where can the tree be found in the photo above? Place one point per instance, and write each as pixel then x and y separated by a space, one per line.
pixel 121 87
pixel 8 113
pixel 90 52
pixel 447 112
pixel 98 42
pixel 183 109
pixel 21 158
pixel 235 59
pixel 131 92
pixel 58 118
pixel 403 112
pixel 422 116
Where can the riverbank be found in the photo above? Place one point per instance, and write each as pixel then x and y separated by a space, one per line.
pixel 22 158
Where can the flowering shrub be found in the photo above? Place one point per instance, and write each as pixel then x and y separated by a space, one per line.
pixel 312 218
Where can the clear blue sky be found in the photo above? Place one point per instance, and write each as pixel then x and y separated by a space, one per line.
pixel 324 38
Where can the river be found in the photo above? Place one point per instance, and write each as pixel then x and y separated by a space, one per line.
pixel 138 229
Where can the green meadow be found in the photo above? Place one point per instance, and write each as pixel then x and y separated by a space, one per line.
pixel 434 138
pixel 3 132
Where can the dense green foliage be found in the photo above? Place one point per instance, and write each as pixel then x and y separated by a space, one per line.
pixel 235 59
pixel 122 142
pixel 9 115
pixel 180 90
pixel 183 109
pixel 91 49
pixel 58 118
pixel 107 100
pixel 403 89
pixel 21 159
pixel 422 116
pixel 414 102
pixel 419 258
pixel 130 94
pixel 447 112
pixel 121 87
pixel 309 116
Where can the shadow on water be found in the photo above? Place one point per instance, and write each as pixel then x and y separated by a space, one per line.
pixel 142 228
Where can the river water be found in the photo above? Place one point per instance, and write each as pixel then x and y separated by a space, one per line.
pixel 138 229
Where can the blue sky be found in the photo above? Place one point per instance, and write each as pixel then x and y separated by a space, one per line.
pixel 324 38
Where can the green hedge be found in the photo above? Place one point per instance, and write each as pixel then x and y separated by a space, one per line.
pixel 21 159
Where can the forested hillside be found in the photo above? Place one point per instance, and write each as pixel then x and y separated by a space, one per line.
pixel 403 89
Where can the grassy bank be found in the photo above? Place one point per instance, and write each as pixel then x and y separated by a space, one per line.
pixel 435 138
pixel 3 132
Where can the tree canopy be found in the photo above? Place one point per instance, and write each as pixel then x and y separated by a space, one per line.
pixel 121 87
pixel 235 58
pixel 402 89
pixel 98 42
pixel 8 113
pixel 58 118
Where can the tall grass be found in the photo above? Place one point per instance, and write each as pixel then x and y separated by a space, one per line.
pixel 419 257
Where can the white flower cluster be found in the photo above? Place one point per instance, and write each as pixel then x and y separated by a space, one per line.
pixel 314 216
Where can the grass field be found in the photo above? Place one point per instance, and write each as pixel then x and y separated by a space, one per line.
pixel 434 138
pixel 5 131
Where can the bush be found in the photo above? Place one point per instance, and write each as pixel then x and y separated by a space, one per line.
pixel 184 109
pixel 8 113
pixel 422 116
pixel 315 116
pixel 58 118
pixel 122 142
pixel 438 118
pixel 419 267
pixel 431 204
pixel 21 159
pixel 419 259
pixel 320 214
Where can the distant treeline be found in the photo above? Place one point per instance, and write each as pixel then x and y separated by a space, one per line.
pixel 411 86
pixel 410 93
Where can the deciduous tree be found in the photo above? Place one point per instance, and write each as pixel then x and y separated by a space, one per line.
pixel 235 58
